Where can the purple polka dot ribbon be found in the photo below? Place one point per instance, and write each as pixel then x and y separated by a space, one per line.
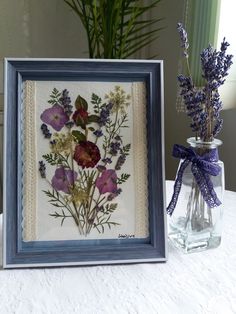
pixel 202 168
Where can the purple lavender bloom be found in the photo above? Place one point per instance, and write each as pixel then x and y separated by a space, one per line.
pixel 65 99
pixel 104 114
pixel 101 168
pixel 53 142
pixel 121 160
pixel 203 125
pixel 45 131
pixel 118 138
pixel 215 65
pixel 114 147
pixel 224 45
pixel 69 124
pixel 216 104
pixel 109 106
pixel 55 117
pixel 42 169
pixel 107 160
pixel 203 104
pixel 185 82
pixel 113 195
pixel 66 102
pixel 63 179
pixel 98 133
pixel 218 127
pixel 183 38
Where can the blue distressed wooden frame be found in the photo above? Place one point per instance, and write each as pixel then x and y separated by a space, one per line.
pixel 17 253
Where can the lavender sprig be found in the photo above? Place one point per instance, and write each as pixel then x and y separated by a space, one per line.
pixel 183 38
pixel 42 169
pixel 45 131
pixel 65 101
pixel 104 114
pixel 203 104
pixel 215 65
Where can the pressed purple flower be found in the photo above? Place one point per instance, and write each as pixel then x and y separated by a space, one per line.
pixel 118 138
pixel 107 160
pixel 114 147
pixel 109 106
pixel 65 101
pixel 63 179
pixel 121 160
pixel 101 168
pixel 104 114
pixel 55 117
pixel 106 182
pixel 113 195
pixel 45 131
pixel 42 169
pixel 69 124
pixel 53 142
pixel 98 133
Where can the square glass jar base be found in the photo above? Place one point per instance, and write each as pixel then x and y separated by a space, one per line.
pixel 195 242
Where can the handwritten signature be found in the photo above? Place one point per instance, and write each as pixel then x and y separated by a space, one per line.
pixel 126 236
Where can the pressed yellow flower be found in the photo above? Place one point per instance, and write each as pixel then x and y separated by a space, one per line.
pixel 79 196
pixel 119 99
pixel 61 143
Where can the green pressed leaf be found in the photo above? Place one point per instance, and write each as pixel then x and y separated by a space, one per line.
pixel 124 177
pixel 52 159
pixel 81 103
pixel 91 129
pixel 93 118
pixel 79 136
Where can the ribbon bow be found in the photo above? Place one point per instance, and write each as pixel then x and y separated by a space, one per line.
pixel 202 168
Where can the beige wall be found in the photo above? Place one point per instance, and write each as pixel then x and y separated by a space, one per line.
pixel 39 28
pixel 42 28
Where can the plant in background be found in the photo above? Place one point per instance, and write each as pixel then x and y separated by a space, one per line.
pixel 115 29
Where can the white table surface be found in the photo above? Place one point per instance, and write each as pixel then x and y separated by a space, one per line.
pixel 203 282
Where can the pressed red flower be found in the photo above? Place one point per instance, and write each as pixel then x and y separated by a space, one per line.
pixel 87 154
pixel 80 116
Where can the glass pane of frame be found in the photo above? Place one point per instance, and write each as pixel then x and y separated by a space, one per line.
pixel 84 160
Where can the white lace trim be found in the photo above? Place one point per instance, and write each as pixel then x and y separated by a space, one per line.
pixel 29 176
pixel 140 159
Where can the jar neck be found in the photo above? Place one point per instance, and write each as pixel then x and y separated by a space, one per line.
pixel 204 146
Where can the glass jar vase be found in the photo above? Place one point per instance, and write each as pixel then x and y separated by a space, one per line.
pixel 194 225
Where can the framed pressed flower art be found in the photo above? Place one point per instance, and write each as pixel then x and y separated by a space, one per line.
pixel 83 170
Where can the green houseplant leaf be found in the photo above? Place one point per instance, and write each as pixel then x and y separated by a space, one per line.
pixel 115 29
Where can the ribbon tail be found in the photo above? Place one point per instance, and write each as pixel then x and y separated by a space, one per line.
pixel 177 187
pixel 206 187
